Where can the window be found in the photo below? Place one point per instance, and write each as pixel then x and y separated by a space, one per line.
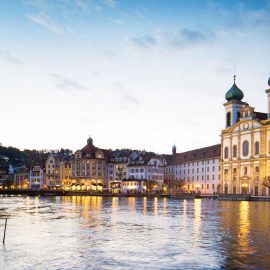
pixel 226 171
pixel 235 151
pixel 245 170
pixel 226 152
pixel 234 170
pixel 207 186
pixel 228 119
pixel 213 177
pixel 257 169
pixel 245 149
pixel 257 148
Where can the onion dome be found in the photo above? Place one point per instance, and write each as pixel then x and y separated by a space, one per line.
pixel 234 93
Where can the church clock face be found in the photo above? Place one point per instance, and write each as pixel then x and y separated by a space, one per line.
pixel 245 126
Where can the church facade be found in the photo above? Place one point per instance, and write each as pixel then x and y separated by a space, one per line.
pixel 245 146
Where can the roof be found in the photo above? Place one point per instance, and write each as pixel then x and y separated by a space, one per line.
pixel 209 152
pixel 234 93
pixel 142 159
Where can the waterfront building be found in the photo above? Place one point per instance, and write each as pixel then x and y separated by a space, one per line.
pixel 89 168
pixel 21 177
pixel 145 172
pixel 117 168
pixel 245 143
pixel 194 171
pixel 58 171
pixel 37 177
pixel 52 166
pixel 65 173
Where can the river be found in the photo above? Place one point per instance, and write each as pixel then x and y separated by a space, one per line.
pixel 86 232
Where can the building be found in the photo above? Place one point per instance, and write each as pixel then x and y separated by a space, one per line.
pixel 37 177
pixel 145 173
pixel 89 168
pixel 21 177
pixel 52 166
pixel 194 171
pixel 58 171
pixel 117 168
pixel 245 143
pixel 65 173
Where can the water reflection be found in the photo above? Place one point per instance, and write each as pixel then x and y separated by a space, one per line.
pixel 124 233
pixel 197 219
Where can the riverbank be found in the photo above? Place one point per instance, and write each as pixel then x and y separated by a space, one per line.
pixel 45 192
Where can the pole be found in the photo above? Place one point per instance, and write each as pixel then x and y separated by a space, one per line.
pixel 5 232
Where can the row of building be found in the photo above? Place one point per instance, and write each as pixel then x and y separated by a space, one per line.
pixel 239 165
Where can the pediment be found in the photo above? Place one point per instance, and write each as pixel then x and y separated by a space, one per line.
pixel 245 125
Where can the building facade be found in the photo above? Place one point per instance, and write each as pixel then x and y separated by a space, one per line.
pixel 194 171
pixel 245 143
pixel 37 177
pixel 89 168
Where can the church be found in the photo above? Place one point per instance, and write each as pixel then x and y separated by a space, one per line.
pixel 245 146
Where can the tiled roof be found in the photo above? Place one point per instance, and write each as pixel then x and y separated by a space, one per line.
pixel 194 155
pixel 142 159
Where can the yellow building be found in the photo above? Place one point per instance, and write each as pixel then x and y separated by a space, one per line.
pixel 245 145
pixel 89 168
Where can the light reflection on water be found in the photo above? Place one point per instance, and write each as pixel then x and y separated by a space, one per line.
pixel 128 233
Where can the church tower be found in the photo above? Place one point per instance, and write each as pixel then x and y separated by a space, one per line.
pixel 233 105
pixel 268 95
pixel 174 150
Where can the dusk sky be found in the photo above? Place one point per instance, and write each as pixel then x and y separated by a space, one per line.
pixel 132 74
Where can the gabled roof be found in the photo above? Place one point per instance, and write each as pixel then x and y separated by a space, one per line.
pixel 209 152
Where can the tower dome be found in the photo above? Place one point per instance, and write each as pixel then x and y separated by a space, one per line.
pixel 174 149
pixel 234 93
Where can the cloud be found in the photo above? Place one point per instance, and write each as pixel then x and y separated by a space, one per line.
pixel 8 58
pixel 166 39
pixel 116 21
pixel 67 83
pixel 125 96
pixel 110 3
pixel 41 18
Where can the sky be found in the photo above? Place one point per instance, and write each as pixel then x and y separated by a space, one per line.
pixel 141 74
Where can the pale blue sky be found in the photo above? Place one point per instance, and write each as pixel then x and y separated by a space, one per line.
pixel 136 74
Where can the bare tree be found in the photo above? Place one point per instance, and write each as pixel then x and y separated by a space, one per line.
pixel 150 185
pixel 266 181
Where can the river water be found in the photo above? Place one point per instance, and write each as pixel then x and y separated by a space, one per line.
pixel 133 233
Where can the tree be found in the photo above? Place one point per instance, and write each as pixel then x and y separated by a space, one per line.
pixel 150 185
pixel 266 181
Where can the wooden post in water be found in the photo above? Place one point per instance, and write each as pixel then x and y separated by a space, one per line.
pixel 5 232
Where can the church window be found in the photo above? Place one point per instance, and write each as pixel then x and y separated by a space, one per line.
pixel 245 148
pixel 238 116
pixel 226 152
pixel 235 151
pixel 257 148
pixel 228 119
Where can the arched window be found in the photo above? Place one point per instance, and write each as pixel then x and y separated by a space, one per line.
pixel 238 116
pixel 226 152
pixel 257 148
pixel 228 119
pixel 235 151
pixel 245 149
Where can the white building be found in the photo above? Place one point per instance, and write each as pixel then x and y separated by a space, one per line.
pixel 245 142
pixel 146 172
pixel 37 177
pixel 195 171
